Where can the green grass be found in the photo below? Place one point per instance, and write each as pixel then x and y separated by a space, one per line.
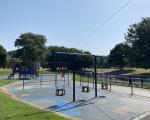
pixel 11 109
pixel 5 82
pixel 133 71
pixel 5 72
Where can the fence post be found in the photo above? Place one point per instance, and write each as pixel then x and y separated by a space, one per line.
pixel 131 85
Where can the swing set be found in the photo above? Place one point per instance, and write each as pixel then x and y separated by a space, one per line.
pixel 60 88
pixel 60 91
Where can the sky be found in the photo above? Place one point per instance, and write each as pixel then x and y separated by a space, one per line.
pixel 68 22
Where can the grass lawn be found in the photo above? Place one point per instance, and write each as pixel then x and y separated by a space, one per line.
pixel 11 109
pixel 133 71
pixel 5 72
pixel 5 82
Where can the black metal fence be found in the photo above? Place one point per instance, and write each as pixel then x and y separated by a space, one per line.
pixel 124 80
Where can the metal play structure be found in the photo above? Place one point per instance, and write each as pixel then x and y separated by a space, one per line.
pixel 85 88
pixel 85 80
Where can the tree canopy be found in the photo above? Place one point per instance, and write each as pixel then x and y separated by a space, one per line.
pixel 3 56
pixel 119 55
pixel 138 37
pixel 31 47
pixel 80 61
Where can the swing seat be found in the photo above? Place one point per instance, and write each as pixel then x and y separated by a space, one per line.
pixel 85 89
pixel 104 86
pixel 60 92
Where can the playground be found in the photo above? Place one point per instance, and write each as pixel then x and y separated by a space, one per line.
pixel 80 94
pixel 75 60
pixel 117 104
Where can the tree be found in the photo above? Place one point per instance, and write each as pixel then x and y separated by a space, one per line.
pixel 138 36
pixel 119 55
pixel 11 54
pixel 80 61
pixel 102 62
pixel 31 48
pixel 3 56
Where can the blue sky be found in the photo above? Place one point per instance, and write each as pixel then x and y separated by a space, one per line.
pixel 66 22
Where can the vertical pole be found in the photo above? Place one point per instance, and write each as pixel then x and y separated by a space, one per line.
pixel 23 83
pixel 25 75
pixel 131 85
pixel 41 81
pixel 74 86
pixel 38 71
pixel 107 77
pixel 64 80
pixel 68 79
pixel 56 79
pixel 88 80
pixel 93 79
pixel 80 78
pixel 101 74
pixel 95 75
pixel 132 89
pixel 110 83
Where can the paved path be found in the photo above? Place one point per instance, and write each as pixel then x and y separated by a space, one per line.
pixel 110 105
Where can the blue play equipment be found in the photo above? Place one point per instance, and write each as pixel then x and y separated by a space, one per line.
pixel 25 73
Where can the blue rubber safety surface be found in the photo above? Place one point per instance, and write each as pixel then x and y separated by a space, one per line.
pixel 108 105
